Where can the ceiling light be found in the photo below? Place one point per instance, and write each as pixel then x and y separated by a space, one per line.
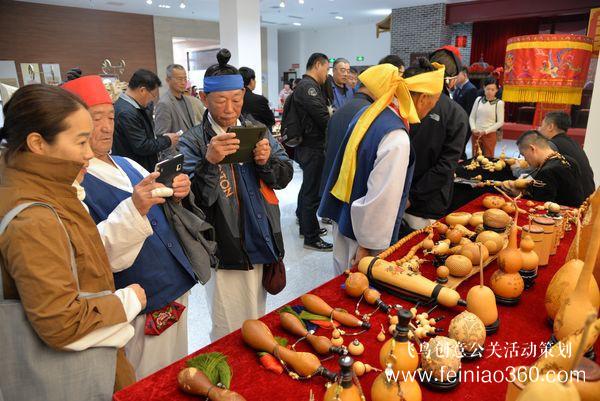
pixel 182 5
pixel 148 2
pixel 300 1
pixel 164 6
pixel 282 4
pixel 296 23
pixel 339 17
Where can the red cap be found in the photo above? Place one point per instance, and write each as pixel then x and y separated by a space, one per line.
pixel 90 89
pixel 454 50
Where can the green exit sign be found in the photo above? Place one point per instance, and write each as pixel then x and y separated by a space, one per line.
pixel 360 58
pixel 331 60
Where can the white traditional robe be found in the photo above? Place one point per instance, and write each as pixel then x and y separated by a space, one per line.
pixel 374 215
pixel 123 234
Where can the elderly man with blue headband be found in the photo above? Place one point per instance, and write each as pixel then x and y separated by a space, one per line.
pixel 238 200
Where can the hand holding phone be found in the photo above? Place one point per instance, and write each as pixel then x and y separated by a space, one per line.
pixel 169 169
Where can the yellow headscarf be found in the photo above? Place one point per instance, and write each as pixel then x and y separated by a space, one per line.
pixel 385 83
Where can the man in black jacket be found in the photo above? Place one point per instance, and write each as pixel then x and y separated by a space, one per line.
pixel 558 176
pixel 438 142
pixel 465 94
pixel 310 154
pixel 255 105
pixel 554 127
pixel 134 127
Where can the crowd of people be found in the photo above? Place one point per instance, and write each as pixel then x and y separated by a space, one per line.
pixel 378 153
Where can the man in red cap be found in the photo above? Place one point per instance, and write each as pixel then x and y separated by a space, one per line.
pixel 141 245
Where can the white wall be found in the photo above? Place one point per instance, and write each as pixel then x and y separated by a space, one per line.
pixel 344 41
pixel 166 28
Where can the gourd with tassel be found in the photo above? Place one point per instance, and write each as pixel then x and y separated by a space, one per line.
pixel 346 387
pixel 506 282
pixel 193 381
pixel 399 351
pixel 357 284
pixel 578 305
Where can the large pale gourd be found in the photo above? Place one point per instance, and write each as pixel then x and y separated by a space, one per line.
pixel 579 247
pixel 563 283
pixel 549 391
pixel 578 306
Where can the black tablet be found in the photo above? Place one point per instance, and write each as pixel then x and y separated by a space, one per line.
pixel 248 137
pixel 169 169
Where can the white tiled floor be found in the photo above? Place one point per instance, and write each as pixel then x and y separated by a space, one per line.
pixel 305 269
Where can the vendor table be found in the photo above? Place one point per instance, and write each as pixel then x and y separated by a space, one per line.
pixel 523 333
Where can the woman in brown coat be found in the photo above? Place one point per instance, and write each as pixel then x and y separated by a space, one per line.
pixel 47 130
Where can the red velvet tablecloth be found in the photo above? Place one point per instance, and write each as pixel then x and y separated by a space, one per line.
pixel 519 341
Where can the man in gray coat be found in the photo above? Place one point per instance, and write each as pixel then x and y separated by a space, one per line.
pixel 174 111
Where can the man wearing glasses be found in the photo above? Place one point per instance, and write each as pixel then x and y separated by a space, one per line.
pixel 134 126
pixel 174 111
pixel 341 91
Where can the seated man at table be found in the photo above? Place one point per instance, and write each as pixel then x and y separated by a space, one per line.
pixel 368 187
pixel 238 199
pixel 554 127
pixel 557 177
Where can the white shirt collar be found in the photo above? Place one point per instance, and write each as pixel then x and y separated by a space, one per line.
pixel 216 127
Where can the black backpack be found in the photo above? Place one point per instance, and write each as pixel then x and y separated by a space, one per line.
pixel 292 129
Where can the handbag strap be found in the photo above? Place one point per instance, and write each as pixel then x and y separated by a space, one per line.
pixel 18 209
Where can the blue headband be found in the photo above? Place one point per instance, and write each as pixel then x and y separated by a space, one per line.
pixel 222 83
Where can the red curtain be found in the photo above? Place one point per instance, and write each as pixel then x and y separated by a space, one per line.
pixel 489 38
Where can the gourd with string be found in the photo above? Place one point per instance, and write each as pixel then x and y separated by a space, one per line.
pixel 357 284
pixel 258 336
pixel 347 387
pixel 294 326
pixel 578 305
pixel 315 304
pixel 398 351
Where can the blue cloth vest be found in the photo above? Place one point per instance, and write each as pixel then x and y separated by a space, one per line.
pixel 339 211
pixel 161 268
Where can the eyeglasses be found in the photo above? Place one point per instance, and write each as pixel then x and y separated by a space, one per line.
pixel 180 79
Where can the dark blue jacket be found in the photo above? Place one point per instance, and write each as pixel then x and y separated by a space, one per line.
pixel 466 96
pixel 161 267
pixel 339 211
pixel 336 131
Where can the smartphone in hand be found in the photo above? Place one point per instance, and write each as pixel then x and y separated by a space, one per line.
pixel 169 169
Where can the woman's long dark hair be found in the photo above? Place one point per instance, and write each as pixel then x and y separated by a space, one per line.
pixel 36 108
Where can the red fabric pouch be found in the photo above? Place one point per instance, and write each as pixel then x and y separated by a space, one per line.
pixel 161 319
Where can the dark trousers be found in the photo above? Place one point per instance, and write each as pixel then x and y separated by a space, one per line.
pixel 311 162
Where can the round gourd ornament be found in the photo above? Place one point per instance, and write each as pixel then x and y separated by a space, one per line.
pixel 491 240
pixel 390 390
pixel 530 259
pixel 458 218
pixel 496 218
pixel 356 284
pixel 493 201
pixel 459 265
pixel 507 285
pixel 468 330
pixel 454 236
pixel 441 357
pixel 476 219
pixel 471 251
pixel 509 208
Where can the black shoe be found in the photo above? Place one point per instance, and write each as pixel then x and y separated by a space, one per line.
pixel 325 220
pixel 322 232
pixel 319 245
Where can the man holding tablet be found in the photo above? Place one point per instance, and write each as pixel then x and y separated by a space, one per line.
pixel 238 198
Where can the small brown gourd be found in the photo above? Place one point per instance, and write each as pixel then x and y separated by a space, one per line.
pixel 528 255
pixel 496 218
pixel 493 201
pixel 194 381
pixel 491 240
pixel 475 253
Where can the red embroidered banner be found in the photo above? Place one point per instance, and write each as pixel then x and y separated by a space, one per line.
pixel 546 68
